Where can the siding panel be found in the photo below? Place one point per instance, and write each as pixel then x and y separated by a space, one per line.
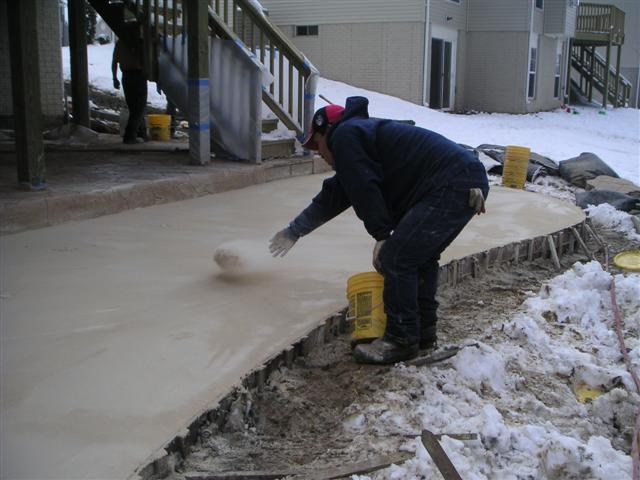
pixel 538 19
pixel 313 12
pixel 495 77
pixel 443 9
pixel 499 15
pixel 555 16
pixel 383 57
pixel 545 77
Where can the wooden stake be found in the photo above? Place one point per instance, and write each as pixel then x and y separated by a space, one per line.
pixel 553 252
pixel 439 456
pixel 25 81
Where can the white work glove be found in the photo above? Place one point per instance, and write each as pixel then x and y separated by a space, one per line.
pixel 476 200
pixel 282 242
pixel 376 254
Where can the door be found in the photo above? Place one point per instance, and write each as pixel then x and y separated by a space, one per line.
pixel 443 53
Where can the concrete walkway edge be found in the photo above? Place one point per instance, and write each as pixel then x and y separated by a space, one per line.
pixel 28 214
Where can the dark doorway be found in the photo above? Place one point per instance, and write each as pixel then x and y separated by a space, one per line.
pixel 440 93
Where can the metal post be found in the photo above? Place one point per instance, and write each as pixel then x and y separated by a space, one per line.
pixel 605 95
pixel 25 85
pixel 617 102
pixel 79 64
pixel 592 72
pixel 198 56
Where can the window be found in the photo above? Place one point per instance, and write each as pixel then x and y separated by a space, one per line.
pixel 307 31
pixel 540 4
pixel 558 70
pixel 533 61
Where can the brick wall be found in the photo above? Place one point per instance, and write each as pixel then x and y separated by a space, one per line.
pixel 50 61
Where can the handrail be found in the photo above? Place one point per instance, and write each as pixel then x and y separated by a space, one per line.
pixel 291 96
pixel 598 18
pixel 290 69
pixel 581 59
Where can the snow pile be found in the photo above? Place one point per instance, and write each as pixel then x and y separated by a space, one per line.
pixel 100 76
pixel 518 395
pixel 480 367
pixel 607 216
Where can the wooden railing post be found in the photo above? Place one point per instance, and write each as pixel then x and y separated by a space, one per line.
pixel 617 85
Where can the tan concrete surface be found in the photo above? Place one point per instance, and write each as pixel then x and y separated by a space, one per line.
pixel 116 331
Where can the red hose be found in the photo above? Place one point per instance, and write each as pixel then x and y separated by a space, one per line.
pixel 635 453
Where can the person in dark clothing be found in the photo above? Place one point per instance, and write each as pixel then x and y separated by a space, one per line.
pixel 415 191
pixel 134 84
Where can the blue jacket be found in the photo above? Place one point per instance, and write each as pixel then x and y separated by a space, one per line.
pixel 383 168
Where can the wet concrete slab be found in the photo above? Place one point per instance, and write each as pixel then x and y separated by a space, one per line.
pixel 118 330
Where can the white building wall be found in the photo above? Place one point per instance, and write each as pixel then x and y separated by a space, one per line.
pixel 499 15
pixel 314 12
pixel 538 17
pixel 50 62
pixel 384 57
pixel 449 14
pixel 545 76
pixel 496 71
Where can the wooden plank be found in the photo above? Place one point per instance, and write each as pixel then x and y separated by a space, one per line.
pixel 439 456
pixel 255 475
pixel 25 80
pixel 553 252
pixel 361 468
pixel 79 63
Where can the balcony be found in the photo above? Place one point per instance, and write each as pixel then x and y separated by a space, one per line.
pixel 599 25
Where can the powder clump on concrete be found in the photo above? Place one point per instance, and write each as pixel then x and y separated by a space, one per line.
pixel 241 257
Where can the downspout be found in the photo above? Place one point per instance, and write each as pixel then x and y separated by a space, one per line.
pixel 526 84
pixel 425 66
pixel 638 89
pixel 566 59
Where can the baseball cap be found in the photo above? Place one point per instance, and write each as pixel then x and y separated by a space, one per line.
pixel 323 117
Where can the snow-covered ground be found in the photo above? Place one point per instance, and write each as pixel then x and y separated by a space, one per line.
pixel 99 59
pixel 566 329
pixel 613 135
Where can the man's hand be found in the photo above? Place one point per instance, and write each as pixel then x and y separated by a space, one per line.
pixel 116 84
pixel 376 254
pixel 282 242
pixel 476 200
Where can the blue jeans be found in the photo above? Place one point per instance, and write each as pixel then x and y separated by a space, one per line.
pixel 409 257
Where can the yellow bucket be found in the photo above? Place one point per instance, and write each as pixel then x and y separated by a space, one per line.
pixel 516 162
pixel 159 127
pixel 366 308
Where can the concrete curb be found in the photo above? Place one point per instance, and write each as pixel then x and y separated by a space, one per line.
pixel 45 211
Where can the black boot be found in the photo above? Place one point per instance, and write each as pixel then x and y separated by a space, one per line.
pixel 383 352
pixel 428 337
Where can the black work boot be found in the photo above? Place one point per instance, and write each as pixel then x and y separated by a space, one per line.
pixel 428 337
pixel 383 352
pixel 428 322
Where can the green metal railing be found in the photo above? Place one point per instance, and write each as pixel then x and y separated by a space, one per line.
pixel 605 19
pixel 592 69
